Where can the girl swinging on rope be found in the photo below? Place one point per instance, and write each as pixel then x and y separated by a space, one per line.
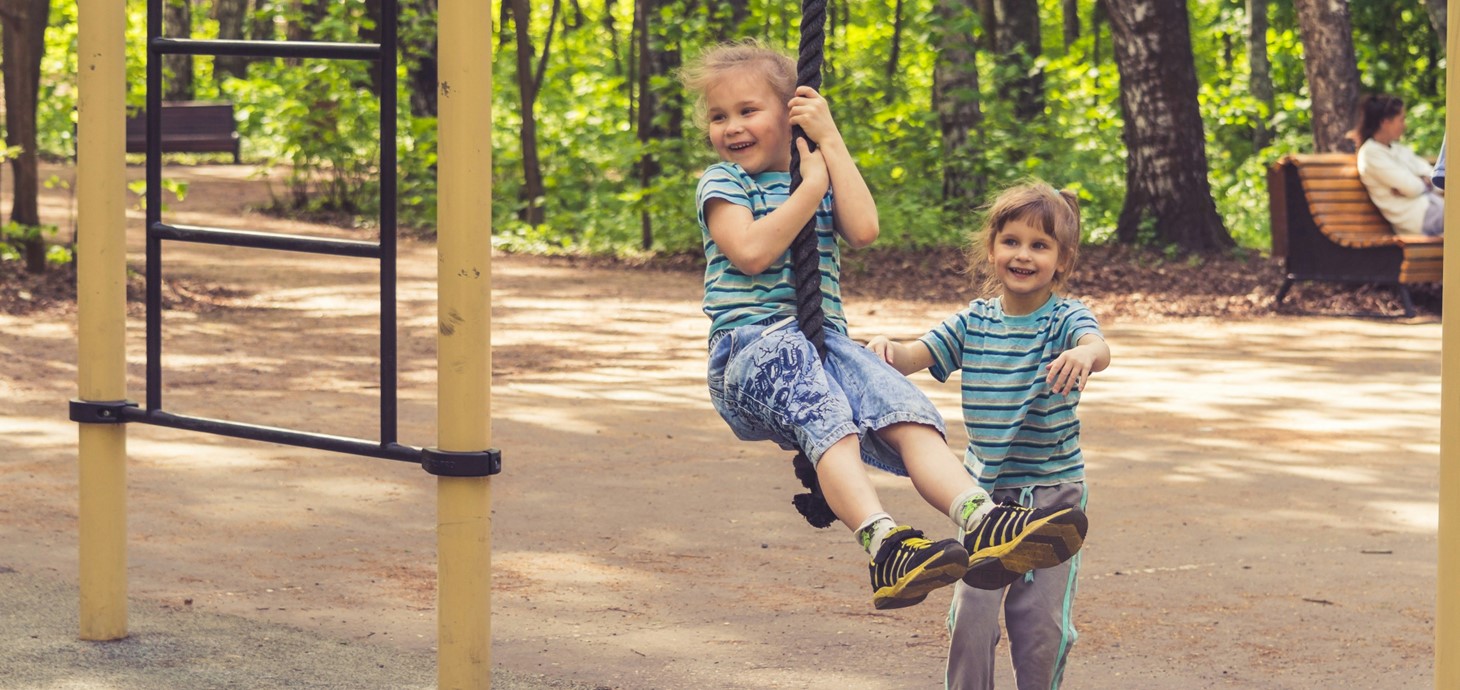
pixel 765 377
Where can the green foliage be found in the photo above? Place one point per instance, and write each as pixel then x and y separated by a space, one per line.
pixel 318 120
pixel 177 188
pixel 14 236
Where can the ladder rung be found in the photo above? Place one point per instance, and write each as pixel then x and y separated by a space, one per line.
pixel 288 437
pixel 266 240
pixel 268 49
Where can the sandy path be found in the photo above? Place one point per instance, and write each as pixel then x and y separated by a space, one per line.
pixel 1263 493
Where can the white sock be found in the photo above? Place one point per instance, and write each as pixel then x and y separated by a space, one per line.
pixel 873 530
pixel 970 508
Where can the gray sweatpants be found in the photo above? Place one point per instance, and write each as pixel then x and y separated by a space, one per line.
pixel 1037 613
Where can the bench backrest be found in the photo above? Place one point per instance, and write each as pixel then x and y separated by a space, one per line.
pixel 1338 201
pixel 188 118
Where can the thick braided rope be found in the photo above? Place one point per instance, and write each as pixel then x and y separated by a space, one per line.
pixel 805 257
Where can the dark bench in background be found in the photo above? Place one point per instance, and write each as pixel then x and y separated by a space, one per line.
pixel 1326 227
pixel 188 127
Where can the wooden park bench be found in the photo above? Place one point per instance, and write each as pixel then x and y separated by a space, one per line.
pixel 1326 227
pixel 188 127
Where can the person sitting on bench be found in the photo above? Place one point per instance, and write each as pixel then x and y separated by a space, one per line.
pixel 1398 181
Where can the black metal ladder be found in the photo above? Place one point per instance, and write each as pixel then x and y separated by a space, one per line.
pixel 384 55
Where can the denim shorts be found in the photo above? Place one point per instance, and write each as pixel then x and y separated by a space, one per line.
pixel 769 385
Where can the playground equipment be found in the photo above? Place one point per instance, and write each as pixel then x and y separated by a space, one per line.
pixel 462 460
pixel 1447 602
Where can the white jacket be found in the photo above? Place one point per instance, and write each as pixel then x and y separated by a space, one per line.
pixel 1395 176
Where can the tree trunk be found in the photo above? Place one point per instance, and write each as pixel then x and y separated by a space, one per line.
pixel 648 167
pixel 829 51
pixel 608 23
pixel 894 52
pixel 1071 10
pixel 990 37
pixel 22 45
pixel 371 33
pixel 308 14
pixel 231 16
pixel 739 12
pixel 1166 166
pixel 955 96
pixel 547 48
pixel 532 187
pixel 1261 70
pixel 632 82
pixel 1333 73
pixel 177 22
pixel 261 20
pixel 419 53
pixel 1019 44
pixel 504 20
pixel 416 42
pixel 1438 10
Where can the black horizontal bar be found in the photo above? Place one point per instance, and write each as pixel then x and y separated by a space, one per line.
pixel 266 240
pixel 267 49
pixel 288 437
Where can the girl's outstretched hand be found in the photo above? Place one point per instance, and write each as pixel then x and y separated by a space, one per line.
pixel 810 111
pixel 1071 370
pixel 882 345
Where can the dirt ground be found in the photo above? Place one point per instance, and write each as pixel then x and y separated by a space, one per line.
pixel 1263 492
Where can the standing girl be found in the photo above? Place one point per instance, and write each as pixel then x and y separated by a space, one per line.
pixel 765 377
pixel 1025 354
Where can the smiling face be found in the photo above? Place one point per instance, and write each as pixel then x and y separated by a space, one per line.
pixel 749 125
pixel 1025 259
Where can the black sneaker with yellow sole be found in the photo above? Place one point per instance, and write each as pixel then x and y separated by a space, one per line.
pixel 909 566
pixel 1013 540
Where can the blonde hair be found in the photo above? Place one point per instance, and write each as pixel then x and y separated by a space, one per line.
pixel 1056 212
pixel 778 70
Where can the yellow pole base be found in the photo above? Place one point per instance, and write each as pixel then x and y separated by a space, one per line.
pixel 103 527
pixel 464 583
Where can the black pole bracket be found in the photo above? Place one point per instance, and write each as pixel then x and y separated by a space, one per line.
pixel 447 464
pixel 88 412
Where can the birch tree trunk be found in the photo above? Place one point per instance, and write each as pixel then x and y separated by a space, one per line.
pixel 1261 70
pixel 231 16
pixel 955 95
pixel 1332 70
pixel 177 22
pixel 1167 191
pixel 1439 10
pixel 1020 45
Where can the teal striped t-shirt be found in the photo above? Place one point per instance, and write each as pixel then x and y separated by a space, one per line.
pixel 1020 432
pixel 734 299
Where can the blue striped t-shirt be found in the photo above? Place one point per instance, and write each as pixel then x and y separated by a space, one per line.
pixel 1020 433
pixel 734 299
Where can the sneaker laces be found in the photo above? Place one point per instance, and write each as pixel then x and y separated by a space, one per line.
pixel 1002 524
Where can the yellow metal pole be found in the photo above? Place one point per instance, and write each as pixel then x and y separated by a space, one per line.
pixel 1447 604
pixel 101 307
pixel 464 363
